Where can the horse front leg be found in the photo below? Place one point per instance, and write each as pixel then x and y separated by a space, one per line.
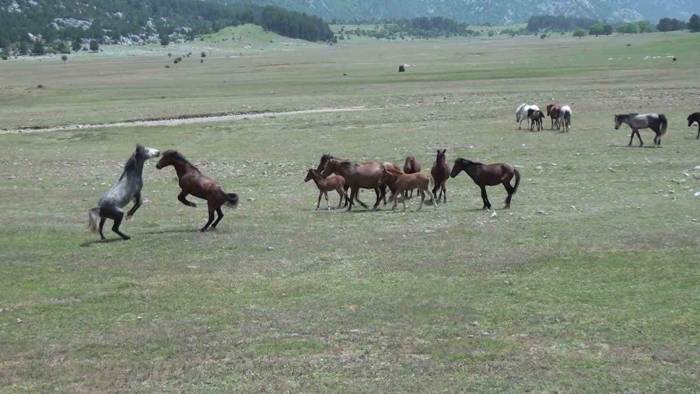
pixel 487 204
pixel 318 203
pixel 631 138
pixel 182 198
pixel 137 204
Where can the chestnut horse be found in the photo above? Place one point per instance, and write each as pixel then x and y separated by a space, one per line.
pixel 489 175
pixel 382 189
pixel 405 182
pixel 326 184
pixel 193 182
pixel 410 166
pixel 358 176
pixel 440 173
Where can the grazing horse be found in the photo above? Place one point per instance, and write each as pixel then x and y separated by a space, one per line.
pixel 489 175
pixel 358 176
pixel 193 182
pixel 410 166
pixel 536 117
pixel 694 118
pixel 440 173
pixel 521 113
pixel 405 182
pixel 553 111
pixel 127 189
pixel 657 122
pixel 326 184
pixel 565 118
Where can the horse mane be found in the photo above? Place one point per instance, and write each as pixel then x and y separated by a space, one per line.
pixel 129 166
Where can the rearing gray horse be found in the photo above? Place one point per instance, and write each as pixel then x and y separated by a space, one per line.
pixel 127 189
pixel 656 122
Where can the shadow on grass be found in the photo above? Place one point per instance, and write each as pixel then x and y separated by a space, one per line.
pixel 99 242
pixel 635 146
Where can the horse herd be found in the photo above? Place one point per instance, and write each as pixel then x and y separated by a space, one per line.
pixel 561 120
pixel 347 178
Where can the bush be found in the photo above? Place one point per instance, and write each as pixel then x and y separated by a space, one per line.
pixel 204 54
pixel 694 23
pixel 579 33
pixel 94 46
pixel 670 24
pixel 38 49
pixel 76 45
pixel 64 58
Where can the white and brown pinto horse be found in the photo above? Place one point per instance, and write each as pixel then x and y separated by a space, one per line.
pixel 521 113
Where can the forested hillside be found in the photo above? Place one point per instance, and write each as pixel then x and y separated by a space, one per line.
pixel 31 25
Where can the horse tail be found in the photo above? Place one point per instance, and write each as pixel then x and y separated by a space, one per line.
pixel 93 218
pixel 517 180
pixel 231 200
pixel 664 123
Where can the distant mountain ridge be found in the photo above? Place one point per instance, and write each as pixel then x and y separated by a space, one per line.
pixel 489 11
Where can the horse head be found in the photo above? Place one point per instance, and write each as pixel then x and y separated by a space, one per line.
pixel 459 165
pixel 170 157
pixel 144 153
pixel 618 121
pixel 309 175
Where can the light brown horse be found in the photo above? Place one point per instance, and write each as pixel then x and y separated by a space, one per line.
pixel 193 182
pixel 410 166
pixel 326 184
pixel 554 111
pixel 440 173
pixel 488 175
pixel 357 176
pixel 405 182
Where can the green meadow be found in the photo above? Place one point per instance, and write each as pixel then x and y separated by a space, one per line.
pixel 589 283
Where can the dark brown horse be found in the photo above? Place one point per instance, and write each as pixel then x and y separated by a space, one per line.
pixel 358 176
pixel 553 111
pixel 410 166
pixel 536 118
pixel 489 175
pixel 193 182
pixel 326 184
pixel 694 118
pixel 440 173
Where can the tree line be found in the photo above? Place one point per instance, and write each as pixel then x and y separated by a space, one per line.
pixel 583 26
pixel 421 27
pixel 74 24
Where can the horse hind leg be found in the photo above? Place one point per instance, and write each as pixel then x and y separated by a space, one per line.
pixel 639 136
pixel 220 215
pixel 102 224
pixel 510 190
pixel 209 221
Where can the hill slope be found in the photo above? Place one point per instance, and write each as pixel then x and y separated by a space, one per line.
pixel 138 21
pixel 494 11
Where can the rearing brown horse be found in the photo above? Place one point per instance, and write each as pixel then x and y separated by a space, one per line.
pixel 488 175
pixel 193 182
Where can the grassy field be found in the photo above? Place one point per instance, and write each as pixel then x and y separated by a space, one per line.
pixel 589 283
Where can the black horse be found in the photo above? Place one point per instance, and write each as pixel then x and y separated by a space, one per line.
pixel 127 189
pixel 694 118
pixel 489 175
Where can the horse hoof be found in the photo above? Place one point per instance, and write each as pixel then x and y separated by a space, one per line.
pixel 126 238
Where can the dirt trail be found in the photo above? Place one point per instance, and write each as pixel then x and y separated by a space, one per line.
pixel 182 120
